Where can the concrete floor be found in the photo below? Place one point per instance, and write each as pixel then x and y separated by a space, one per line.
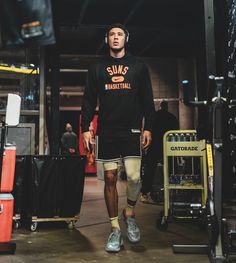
pixel 86 242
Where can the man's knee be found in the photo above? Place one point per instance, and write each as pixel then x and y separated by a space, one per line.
pixel 110 173
pixel 133 168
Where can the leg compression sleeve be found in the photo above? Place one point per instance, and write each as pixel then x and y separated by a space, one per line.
pixel 132 168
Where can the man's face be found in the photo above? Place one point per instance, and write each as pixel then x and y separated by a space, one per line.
pixel 68 128
pixel 116 38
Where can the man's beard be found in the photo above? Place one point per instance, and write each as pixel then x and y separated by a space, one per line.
pixel 117 50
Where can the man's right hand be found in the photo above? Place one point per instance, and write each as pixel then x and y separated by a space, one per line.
pixel 87 140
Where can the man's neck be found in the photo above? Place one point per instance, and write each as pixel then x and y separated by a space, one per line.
pixel 119 54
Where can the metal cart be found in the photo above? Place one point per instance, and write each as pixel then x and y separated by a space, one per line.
pixel 70 221
pixel 55 186
pixel 185 176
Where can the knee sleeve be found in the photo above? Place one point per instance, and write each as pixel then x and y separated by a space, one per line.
pixel 132 169
pixel 110 166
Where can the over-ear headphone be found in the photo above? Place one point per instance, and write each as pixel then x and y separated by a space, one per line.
pixel 119 26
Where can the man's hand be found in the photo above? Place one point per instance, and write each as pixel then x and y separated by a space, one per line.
pixel 147 139
pixel 87 140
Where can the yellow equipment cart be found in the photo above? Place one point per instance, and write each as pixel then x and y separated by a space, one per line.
pixel 185 176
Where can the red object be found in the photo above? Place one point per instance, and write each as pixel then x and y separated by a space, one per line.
pixel 91 164
pixel 6 215
pixel 8 169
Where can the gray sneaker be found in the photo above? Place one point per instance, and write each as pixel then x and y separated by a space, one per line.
pixel 114 241
pixel 133 232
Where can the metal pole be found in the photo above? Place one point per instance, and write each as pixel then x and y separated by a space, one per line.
pixel 55 99
pixel 42 101
pixel 210 37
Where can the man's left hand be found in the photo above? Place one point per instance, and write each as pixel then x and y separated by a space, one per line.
pixel 147 139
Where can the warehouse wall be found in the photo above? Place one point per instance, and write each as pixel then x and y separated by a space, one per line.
pixel 166 76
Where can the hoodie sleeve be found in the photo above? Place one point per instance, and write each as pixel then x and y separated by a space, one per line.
pixel 89 100
pixel 147 99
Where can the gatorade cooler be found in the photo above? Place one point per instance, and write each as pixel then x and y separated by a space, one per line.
pixel 8 169
pixel 6 215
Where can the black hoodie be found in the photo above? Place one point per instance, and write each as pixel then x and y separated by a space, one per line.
pixel 123 90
